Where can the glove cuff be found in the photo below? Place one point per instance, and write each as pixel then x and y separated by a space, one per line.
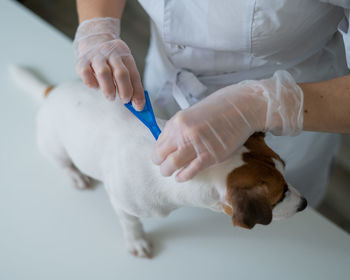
pixel 102 29
pixel 284 103
pixel 106 25
pixel 285 99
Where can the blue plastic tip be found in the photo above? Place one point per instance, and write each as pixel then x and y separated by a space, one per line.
pixel 146 116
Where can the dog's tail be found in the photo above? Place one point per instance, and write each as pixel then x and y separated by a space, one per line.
pixel 31 82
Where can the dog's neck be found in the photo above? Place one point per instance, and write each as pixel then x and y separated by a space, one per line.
pixel 208 188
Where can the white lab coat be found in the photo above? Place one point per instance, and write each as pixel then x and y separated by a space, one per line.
pixel 199 46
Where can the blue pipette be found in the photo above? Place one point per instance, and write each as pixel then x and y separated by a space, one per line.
pixel 146 116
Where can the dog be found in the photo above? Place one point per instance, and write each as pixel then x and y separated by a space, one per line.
pixel 90 137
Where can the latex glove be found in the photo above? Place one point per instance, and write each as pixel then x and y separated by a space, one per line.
pixel 212 130
pixel 105 61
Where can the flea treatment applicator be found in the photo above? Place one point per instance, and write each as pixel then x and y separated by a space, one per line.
pixel 146 116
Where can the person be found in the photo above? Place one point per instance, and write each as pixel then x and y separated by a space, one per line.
pixel 222 70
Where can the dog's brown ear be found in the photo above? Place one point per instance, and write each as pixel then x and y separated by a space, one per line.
pixel 250 207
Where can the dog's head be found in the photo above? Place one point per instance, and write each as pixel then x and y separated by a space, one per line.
pixel 256 192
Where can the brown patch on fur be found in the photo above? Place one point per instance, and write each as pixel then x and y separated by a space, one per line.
pixel 48 90
pixel 251 207
pixel 258 149
pixel 254 188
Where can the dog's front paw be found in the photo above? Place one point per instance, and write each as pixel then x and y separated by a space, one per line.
pixel 140 248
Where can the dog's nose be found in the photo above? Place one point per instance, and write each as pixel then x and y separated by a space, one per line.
pixel 302 204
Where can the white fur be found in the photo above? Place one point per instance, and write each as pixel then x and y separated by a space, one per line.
pixel 288 206
pixel 87 135
pixel 279 165
pixel 290 203
pixel 27 81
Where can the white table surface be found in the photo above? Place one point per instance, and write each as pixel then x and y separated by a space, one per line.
pixel 49 230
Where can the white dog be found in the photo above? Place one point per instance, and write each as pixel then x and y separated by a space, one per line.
pixel 87 136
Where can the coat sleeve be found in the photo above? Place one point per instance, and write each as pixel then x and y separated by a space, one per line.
pixel 343 26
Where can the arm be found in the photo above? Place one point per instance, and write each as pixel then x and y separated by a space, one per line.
pixel 327 105
pixel 211 130
pixel 88 9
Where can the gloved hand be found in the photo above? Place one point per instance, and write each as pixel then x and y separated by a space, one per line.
pixel 212 130
pixel 105 61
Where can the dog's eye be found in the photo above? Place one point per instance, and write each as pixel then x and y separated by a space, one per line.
pixel 285 190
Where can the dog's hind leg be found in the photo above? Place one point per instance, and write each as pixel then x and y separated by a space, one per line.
pixel 135 238
pixel 50 146
pixel 78 179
